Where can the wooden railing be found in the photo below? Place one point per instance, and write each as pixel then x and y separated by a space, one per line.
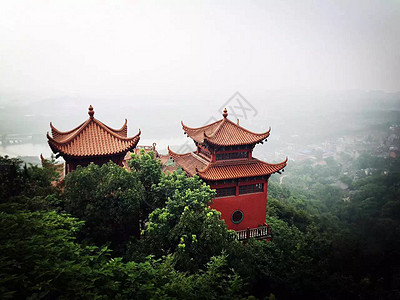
pixel 259 233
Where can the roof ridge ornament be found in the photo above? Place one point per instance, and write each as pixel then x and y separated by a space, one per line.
pixel 225 114
pixel 91 111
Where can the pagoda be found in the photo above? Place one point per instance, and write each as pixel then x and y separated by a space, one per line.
pixel 92 141
pixel 224 160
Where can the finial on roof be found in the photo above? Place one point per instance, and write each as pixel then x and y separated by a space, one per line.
pixel 237 121
pixel 91 112
pixel 225 114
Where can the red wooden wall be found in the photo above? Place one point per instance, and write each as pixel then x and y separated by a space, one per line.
pixel 252 205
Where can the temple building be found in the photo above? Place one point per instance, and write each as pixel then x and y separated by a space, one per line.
pixel 224 160
pixel 92 141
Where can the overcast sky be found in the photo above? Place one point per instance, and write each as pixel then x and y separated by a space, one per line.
pixel 89 48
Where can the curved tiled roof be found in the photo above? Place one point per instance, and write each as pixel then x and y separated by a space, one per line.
pixel 224 133
pixel 92 138
pixel 243 168
pixel 193 164
pixel 190 162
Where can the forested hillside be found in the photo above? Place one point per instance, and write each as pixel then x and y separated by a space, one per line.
pixel 118 234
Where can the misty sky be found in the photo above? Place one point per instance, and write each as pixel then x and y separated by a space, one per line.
pixel 91 48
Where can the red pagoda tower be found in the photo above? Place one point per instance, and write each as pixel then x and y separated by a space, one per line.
pixel 92 141
pixel 224 160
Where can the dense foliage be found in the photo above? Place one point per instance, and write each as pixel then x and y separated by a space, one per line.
pixel 354 206
pixel 186 227
pixel 46 253
pixel 107 198
pixel 148 171
pixel 335 226
pixel 41 259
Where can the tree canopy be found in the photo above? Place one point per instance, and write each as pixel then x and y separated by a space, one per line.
pixel 82 240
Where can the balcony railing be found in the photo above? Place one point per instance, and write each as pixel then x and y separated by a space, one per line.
pixel 259 233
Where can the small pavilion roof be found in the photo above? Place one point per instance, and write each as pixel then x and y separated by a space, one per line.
pixel 224 133
pixel 194 164
pixel 92 138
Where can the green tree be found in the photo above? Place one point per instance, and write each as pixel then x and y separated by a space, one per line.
pixel 11 178
pixel 148 170
pixel 107 198
pixel 158 279
pixel 28 187
pixel 40 258
pixel 187 227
